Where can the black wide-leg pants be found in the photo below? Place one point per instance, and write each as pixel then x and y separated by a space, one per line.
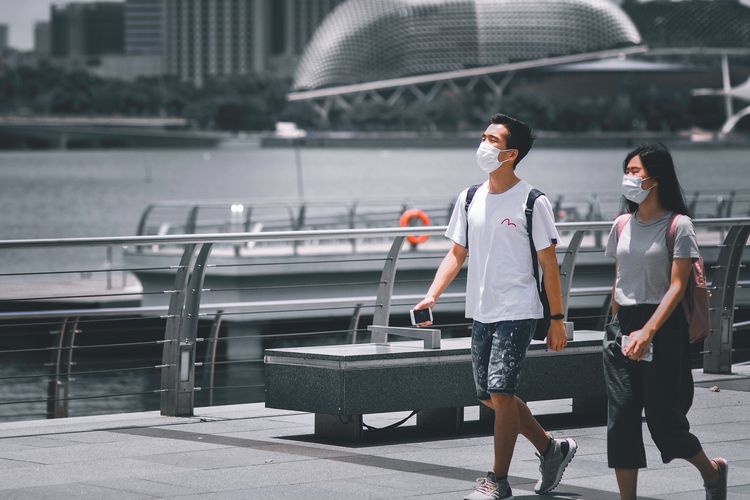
pixel 664 387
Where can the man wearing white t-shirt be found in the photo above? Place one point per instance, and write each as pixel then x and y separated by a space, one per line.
pixel 503 300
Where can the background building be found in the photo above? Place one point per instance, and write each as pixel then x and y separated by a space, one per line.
pixel 366 41
pixel 42 39
pixel 292 25
pixel 80 30
pixel 3 36
pixel 217 38
pixel 143 27
pixel 692 23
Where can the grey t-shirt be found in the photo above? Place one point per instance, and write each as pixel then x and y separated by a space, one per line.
pixel 643 265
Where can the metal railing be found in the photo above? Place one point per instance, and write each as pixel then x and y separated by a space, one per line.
pixel 184 217
pixel 185 308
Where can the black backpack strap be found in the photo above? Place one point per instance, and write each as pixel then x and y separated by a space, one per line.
pixel 469 197
pixel 533 195
pixel 543 324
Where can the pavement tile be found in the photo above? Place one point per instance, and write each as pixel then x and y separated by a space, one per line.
pixel 277 434
pixel 685 495
pixel 328 490
pixel 79 491
pixel 457 442
pixel 77 452
pixel 686 478
pixel 711 416
pixel 593 432
pixel 96 437
pixel 417 483
pixel 33 442
pixel 386 448
pixel 728 431
pixel 709 399
pixel 12 464
pixel 79 472
pixel 230 426
pixel 605 482
pixel 300 419
pixel 221 458
pixel 279 474
pixel 248 410
pixel 518 494
pixel 143 486
pixel 473 456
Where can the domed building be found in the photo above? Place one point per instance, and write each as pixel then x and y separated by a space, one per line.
pixel 366 40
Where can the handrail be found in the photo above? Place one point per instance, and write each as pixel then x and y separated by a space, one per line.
pixel 328 234
pixel 212 308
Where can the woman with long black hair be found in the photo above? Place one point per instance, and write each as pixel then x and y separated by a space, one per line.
pixel 646 346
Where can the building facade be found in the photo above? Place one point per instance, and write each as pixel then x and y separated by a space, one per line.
pixel 42 39
pixel 143 27
pixel 206 39
pixel 4 32
pixel 364 41
pixel 82 30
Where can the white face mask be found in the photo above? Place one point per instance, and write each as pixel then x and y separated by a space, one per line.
pixel 632 188
pixel 487 157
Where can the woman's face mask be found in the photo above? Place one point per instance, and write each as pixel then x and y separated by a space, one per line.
pixel 632 188
pixel 487 157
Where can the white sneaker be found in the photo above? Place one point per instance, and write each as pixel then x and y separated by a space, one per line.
pixel 489 488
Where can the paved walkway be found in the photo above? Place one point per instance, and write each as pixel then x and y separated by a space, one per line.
pixel 250 452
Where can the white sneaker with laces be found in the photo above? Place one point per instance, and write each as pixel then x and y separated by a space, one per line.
pixel 490 488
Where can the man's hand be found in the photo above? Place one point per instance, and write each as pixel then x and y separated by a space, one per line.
pixel 427 303
pixel 557 339
pixel 638 345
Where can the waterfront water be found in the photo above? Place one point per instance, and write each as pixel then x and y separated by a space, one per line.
pixel 102 193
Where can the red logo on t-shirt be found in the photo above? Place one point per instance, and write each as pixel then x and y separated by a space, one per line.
pixel 508 222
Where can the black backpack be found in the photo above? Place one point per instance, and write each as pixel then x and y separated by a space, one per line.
pixel 542 325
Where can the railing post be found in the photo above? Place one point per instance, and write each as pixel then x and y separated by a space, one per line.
pixel 57 390
pixel 211 357
pixel 171 353
pixel 568 268
pixel 354 322
pixel 184 384
pixel 191 224
pixel 724 276
pixel 108 265
pixel 73 333
pixel 142 223
pixel 385 289
pixel 352 224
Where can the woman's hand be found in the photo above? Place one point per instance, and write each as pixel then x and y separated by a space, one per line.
pixel 638 345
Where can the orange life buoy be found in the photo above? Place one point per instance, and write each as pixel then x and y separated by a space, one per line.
pixel 409 215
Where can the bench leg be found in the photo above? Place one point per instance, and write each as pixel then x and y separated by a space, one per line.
pixel 338 427
pixel 441 420
pixel 595 406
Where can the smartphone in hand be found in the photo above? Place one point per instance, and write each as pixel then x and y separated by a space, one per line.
pixel 649 356
pixel 420 316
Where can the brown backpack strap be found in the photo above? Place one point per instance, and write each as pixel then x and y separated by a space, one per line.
pixel 672 234
pixel 621 222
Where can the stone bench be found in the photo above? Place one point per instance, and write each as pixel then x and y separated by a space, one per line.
pixel 341 383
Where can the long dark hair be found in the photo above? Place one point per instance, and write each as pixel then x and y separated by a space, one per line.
pixel 659 164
